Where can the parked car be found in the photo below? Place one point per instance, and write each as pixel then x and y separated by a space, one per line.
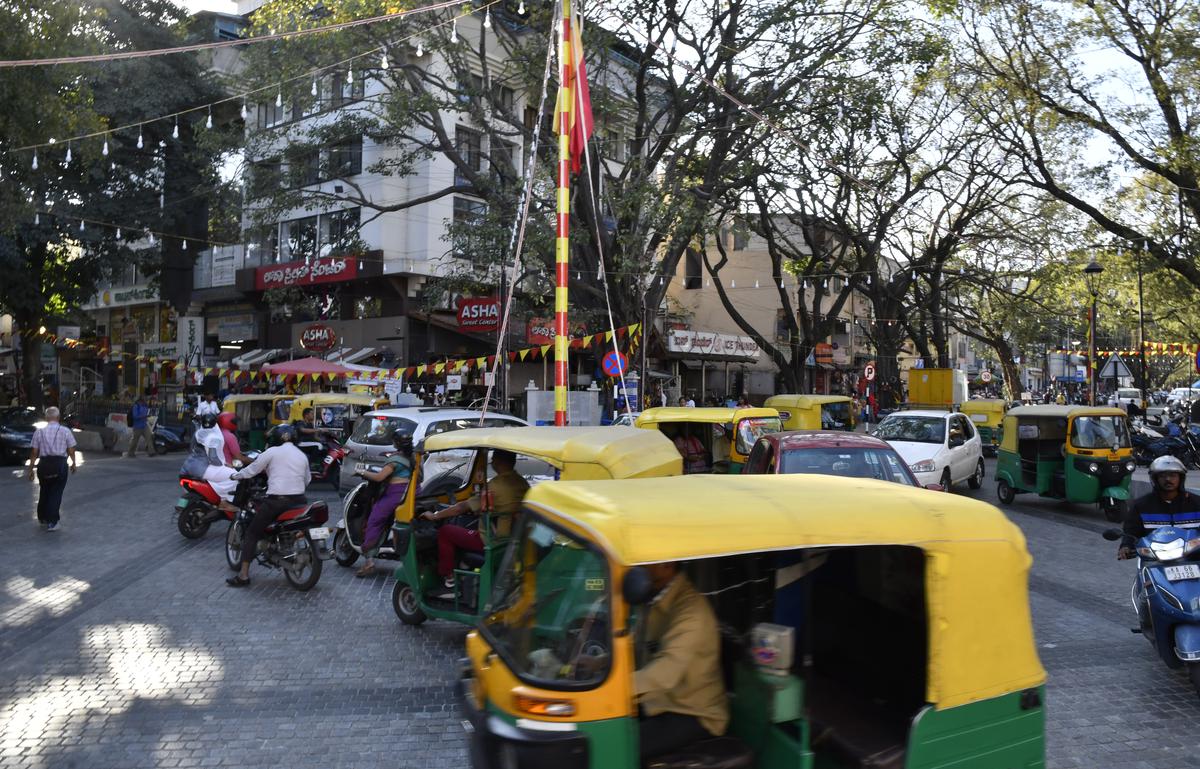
pixel 372 436
pixel 626 419
pixel 17 424
pixel 1181 394
pixel 939 446
pixel 828 452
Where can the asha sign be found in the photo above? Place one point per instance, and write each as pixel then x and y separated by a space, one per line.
pixel 479 314
pixel 318 337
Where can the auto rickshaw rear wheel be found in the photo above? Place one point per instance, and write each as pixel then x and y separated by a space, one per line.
pixel 406 605
pixel 1005 492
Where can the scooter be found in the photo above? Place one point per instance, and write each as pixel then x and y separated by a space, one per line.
pixel 200 505
pixel 348 536
pixel 1166 595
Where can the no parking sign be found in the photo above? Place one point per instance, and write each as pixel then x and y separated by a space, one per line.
pixel 614 364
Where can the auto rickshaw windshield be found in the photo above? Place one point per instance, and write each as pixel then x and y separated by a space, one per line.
pixel 550 609
pixel 1100 432
pixel 749 430
pixel 835 416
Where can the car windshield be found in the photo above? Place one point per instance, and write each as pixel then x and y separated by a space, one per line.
pixel 1100 432
pixel 880 464
pixel 549 614
pixel 378 430
pixel 912 429
pixel 751 429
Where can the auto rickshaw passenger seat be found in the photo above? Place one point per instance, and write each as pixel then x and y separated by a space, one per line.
pixel 471 559
pixel 715 753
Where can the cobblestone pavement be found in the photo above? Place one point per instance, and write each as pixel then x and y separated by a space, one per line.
pixel 121 646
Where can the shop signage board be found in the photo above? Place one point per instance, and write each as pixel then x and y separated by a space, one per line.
pixel 454 382
pixel 478 314
pixel 824 353
pixel 189 335
pixel 317 337
pixel 541 330
pixel 701 343
pixel 329 270
pixel 121 297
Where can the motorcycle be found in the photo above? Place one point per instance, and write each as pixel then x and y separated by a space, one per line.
pixel 168 439
pixel 199 506
pixel 294 542
pixel 325 457
pixel 1166 595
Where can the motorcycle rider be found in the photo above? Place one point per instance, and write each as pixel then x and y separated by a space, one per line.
pixel 233 450
pixel 287 476
pixel 207 461
pixel 1170 504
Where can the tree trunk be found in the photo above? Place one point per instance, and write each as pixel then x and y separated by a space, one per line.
pixel 31 359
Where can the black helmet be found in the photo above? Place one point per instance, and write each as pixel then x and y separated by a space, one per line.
pixel 403 442
pixel 208 420
pixel 279 434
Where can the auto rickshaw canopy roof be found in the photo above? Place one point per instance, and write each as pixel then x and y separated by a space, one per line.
pixel 579 453
pixel 232 400
pixel 983 406
pixel 717 415
pixel 981 640
pixel 789 400
pixel 327 399
pixel 1065 412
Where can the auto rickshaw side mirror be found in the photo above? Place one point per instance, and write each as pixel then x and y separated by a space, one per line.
pixel 636 586
pixel 1112 535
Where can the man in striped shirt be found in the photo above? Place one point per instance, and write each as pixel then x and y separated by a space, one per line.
pixel 52 447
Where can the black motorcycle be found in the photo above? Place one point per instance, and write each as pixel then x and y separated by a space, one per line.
pixel 294 542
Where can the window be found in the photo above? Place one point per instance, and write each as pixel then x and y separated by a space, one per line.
pixel 299 239
pixel 270 115
pixel 692 278
pixel 741 237
pixel 631 148
pixel 304 167
pixel 467 211
pixel 305 106
pixel 262 245
pixel 338 231
pixel 266 176
pixel 345 158
pixel 503 156
pixel 502 98
pixel 471 90
pixel 614 146
pixel 344 91
pixel 470 147
pixel 378 430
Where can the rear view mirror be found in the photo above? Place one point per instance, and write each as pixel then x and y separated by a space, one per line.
pixel 636 586
pixel 1112 535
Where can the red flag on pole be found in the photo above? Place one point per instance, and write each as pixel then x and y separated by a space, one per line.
pixel 579 109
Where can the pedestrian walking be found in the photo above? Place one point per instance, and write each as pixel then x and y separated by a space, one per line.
pixel 50 454
pixel 139 422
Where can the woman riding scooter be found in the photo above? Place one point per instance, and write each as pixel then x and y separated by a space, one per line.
pixel 397 471
pixel 207 459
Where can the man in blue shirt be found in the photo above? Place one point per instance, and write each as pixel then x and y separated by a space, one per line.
pixel 139 422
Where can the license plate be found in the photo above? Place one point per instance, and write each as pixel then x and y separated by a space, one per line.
pixel 1176 573
pixel 323 533
pixel 360 466
pixel 181 503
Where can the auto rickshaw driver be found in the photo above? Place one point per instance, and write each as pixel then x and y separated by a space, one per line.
pixel 505 493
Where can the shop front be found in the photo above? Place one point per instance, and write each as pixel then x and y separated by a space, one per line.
pixel 709 364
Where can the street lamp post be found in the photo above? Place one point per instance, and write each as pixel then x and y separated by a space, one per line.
pixel 1091 275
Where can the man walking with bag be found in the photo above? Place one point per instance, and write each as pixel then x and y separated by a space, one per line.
pixel 49 452
pixel 142 428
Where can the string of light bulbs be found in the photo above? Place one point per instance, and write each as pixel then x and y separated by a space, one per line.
pixel 246 96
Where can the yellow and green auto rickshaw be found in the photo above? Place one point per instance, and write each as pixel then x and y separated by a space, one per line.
pixel 1073 453
pixel 257 413
pixel 726 434
pixel 987 414
pixel 335 411
pixel 898 637
pixel 453 466
pixel 813 412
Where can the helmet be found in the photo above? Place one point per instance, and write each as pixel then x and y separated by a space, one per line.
pixel 403 442
pixel 227 421
pixel 279 434
pixel 1167 464
pixel 208 421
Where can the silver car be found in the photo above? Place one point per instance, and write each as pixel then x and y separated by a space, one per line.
pixel 373 431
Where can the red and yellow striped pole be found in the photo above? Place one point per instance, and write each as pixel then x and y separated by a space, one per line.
pixel 562 247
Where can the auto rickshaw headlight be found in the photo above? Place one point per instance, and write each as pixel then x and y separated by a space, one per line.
pixel 1130 466
pixel 538 706
pixel 1093 468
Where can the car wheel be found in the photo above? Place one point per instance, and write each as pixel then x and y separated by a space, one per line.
pixel 947 483
pixel 976 480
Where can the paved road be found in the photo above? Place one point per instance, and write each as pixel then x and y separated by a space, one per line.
pixel 120 646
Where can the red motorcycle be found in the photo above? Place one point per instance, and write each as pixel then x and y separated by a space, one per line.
pixel 296 541
pixel 198 508
pixel 325 459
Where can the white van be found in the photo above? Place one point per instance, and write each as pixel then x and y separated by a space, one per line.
pixel 1126 396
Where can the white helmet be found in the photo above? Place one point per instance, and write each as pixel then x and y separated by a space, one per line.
pixel 1167 464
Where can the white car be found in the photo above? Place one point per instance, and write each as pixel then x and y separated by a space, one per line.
pixel 940 447
pixel 1182 394
pixel 1127 396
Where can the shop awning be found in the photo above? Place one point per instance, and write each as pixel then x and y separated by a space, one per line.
pixel 256 358
pixel 354 354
